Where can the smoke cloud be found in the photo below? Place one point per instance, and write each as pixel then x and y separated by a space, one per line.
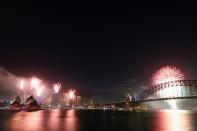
pixel 10 85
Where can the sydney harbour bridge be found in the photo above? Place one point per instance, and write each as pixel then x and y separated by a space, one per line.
pixel 180 89
pixel 179 94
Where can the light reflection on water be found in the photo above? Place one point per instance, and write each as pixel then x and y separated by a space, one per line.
pixel 71 120
pixel 52 120
pixel 174 120
pixel 27 122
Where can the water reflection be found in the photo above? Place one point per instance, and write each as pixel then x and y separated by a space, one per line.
pixel 52 120
pixel 23 121
pixel 71 120
pixel 173 120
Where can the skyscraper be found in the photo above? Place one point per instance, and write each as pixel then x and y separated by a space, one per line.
pixel 66 95
pixel 70 99
pixel 54 99
pixel 78 100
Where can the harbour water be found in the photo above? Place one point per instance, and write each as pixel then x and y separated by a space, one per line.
pixel 98 120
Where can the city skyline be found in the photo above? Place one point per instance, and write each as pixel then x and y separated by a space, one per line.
pixel 97 50
pixel 101 66
pixel 115 81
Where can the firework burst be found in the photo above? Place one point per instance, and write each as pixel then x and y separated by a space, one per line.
pixel 21 84
pixel 71 93
pixel 35 82
pixel 39 90
pixel 167 73
pixel 56 87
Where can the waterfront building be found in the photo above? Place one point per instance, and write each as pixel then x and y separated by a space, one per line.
pixel 66 99
pixel 78 100
pixel 128 98
pixel 54 99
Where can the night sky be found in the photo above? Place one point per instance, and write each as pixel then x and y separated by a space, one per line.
pixel 96 47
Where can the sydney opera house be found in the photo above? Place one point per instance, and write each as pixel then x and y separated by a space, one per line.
pixel 30 104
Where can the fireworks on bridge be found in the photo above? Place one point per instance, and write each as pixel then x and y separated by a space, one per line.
pixel 56 87
pixel 166 74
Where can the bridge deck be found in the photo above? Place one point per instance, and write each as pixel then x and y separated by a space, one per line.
pixel 159 99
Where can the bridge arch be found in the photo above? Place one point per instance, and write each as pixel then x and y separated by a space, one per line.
pixel 170 90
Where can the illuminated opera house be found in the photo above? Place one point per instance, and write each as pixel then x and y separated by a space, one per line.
pixel 30 105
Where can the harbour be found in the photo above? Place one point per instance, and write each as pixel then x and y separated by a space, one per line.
pixel 97 120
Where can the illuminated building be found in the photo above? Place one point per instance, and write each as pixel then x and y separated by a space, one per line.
pixel 127 98
pixel 66 99
pixel 78 100
pixel 71 99
pixel 54 99
pixel 74 100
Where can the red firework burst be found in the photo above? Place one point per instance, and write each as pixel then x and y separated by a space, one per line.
pixel 167 73
pixel 56 87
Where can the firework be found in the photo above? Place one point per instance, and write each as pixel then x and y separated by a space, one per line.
pixel 21 84
pixel 166 74
pixel 35 82
pixel 39 90
pixel 56 87
pixel 71 93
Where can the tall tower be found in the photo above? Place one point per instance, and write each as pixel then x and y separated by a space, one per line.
pixel 54 99
pixel 78 100
pixel 66 95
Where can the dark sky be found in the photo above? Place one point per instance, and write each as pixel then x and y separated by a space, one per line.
pixel 95 47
